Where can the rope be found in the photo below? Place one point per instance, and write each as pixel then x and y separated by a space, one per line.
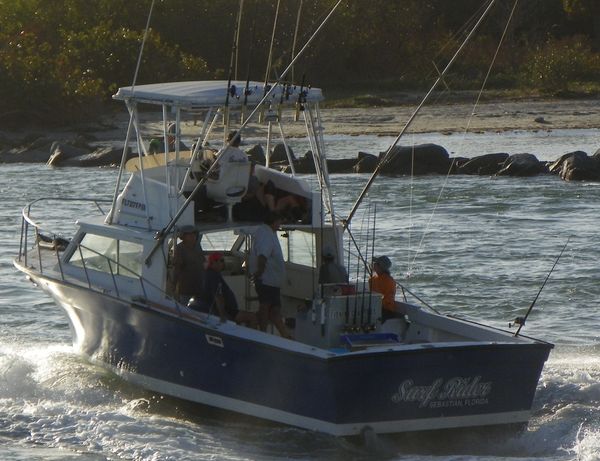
pixel 387 155
pixel 467 128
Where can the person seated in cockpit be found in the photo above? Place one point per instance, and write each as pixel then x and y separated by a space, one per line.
pixel 331 271
pixel 218 298
pixel 232 152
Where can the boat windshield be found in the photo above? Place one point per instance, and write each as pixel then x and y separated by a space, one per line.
pixel 107 254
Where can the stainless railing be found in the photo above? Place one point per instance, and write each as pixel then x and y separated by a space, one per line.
pixel 31 229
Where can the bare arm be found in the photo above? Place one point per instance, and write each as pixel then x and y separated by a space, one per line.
pixel 261 264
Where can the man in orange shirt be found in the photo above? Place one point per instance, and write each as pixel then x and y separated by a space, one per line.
pixel 382 282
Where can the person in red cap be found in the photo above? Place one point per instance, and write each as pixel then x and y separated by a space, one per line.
pixel 216 295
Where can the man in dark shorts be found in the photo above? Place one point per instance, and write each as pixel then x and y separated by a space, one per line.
pixel 268 269
pixel 218 297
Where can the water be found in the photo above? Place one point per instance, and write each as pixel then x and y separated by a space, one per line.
pixel 483 254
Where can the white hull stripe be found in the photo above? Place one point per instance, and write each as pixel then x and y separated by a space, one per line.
pixel 260 411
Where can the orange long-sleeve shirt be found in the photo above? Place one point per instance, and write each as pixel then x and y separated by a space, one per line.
pixel 384 284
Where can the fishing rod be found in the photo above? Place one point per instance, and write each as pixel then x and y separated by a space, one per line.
pixel 300 100
pixel 161 234
pixel 364 290
pixel 232 67
pixel 237 38
pixel 270 57
pixel 388 153
pixel 296 34
pixel 521 320
pixel 372 257
pixel 355 321
pixel 348 282
pixel 247 91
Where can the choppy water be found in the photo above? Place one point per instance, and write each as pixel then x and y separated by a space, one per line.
pixel 483 254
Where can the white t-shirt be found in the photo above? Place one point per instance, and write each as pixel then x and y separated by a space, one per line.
pixel 267 244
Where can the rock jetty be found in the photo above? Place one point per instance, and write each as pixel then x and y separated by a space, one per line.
pixel 423 159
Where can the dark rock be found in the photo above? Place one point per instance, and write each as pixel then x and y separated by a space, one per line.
pixel 305 164
pixel 580 167
pixel 556 166
pixel 488 164
pixel 279 155
pixel 257 154
pixel 428 159
pixel 36 149
pixel 343 165
pixel 541 120
pixel 366 163
pixel 24 155
pixel 521 165
pixel 456 163
pixel 61 153
pixel 103 156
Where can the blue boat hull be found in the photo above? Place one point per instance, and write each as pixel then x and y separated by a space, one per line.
pixel 390 390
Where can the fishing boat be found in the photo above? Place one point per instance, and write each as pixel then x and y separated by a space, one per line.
pixel 343 371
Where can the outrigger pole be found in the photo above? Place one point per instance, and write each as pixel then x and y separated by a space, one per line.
pixel 387 154
pixel 161 235
pixel 131 117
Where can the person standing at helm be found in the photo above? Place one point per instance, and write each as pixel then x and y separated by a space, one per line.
pixel 188 265
pixel 268 269
pixel 382 282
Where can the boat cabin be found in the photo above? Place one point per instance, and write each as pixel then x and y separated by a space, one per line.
pixel 130 252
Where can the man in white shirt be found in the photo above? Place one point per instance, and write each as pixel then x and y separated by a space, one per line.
pixel 268 268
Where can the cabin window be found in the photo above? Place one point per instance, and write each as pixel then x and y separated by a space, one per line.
pixel 109 255
pixel 298 247
pixel 221 241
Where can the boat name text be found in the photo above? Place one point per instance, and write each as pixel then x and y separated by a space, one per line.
pixel 457 391
pixel 132 204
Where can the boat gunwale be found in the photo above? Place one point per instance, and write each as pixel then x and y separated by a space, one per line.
pixel 269 341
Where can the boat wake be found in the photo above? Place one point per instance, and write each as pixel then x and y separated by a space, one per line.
pixel 52 399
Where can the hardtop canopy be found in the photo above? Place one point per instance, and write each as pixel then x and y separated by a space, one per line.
pixel 212 93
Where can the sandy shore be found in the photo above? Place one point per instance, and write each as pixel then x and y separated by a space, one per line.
pixel 497 116
pixel 384 121
pixel 489 116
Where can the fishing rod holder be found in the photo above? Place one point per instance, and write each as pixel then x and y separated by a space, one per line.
pixel 518 321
